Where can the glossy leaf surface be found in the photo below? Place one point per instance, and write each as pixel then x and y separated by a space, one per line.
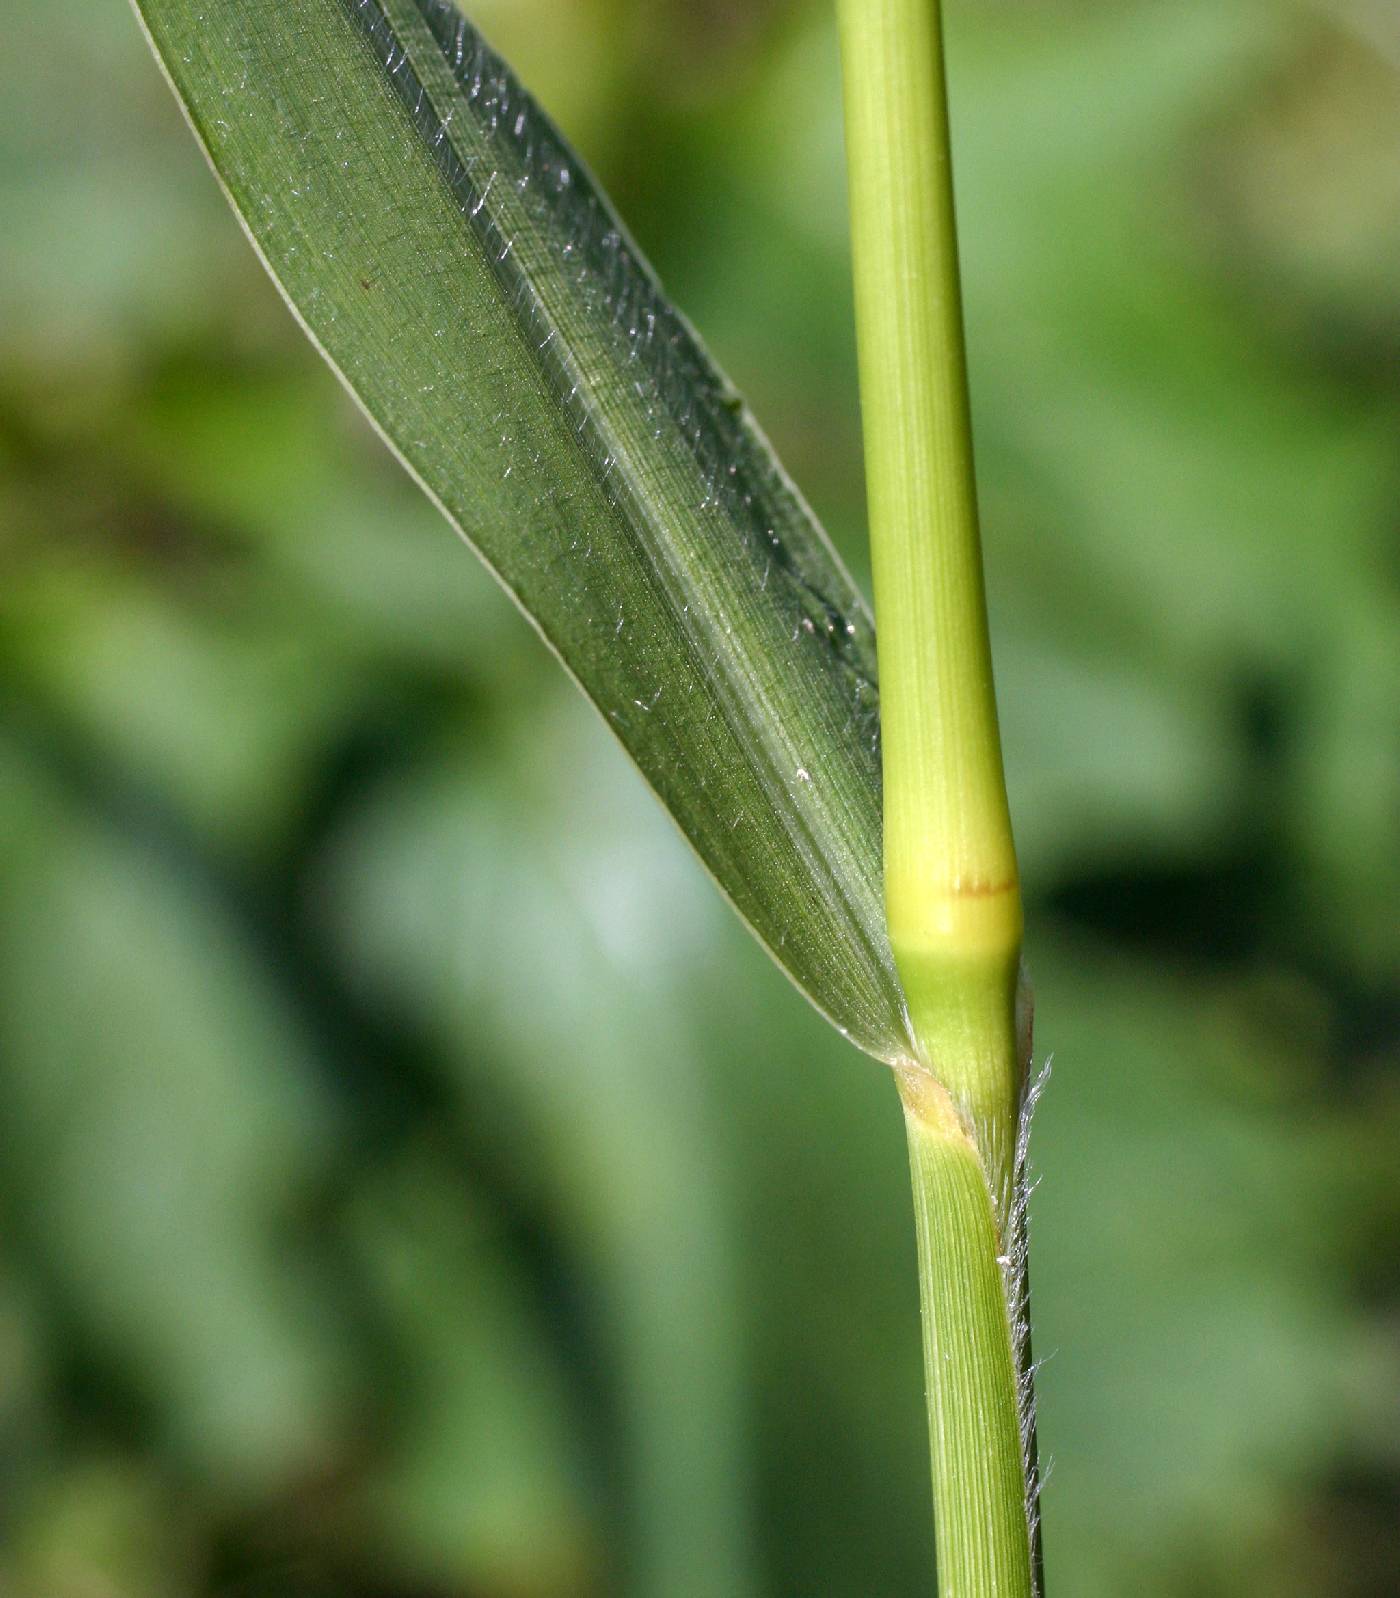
pixel 457 266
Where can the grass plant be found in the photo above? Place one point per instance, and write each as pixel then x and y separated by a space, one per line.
pixel 454 261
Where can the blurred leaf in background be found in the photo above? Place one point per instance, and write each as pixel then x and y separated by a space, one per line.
pixel 412 1183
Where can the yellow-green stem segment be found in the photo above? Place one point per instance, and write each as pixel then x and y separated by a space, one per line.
pixel 951 886
pixel 952 891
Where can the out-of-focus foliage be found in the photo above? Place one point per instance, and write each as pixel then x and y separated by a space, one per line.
pixel 412 1182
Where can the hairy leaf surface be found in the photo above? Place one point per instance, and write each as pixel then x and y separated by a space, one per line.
pixel 459 269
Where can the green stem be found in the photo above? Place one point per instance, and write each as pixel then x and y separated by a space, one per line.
pixel 952 891
pixel 951 887
pixel 982 1534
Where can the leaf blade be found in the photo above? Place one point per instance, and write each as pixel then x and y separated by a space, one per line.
pixel 455 264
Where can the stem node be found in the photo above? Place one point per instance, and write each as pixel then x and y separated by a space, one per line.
pixel 952 893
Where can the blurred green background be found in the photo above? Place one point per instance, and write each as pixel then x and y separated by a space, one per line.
pixel 413 1183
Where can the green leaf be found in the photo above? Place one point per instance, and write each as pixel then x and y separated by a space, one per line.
pixel 458 268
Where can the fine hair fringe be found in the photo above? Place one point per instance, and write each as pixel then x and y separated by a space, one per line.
pixel 1016 1284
